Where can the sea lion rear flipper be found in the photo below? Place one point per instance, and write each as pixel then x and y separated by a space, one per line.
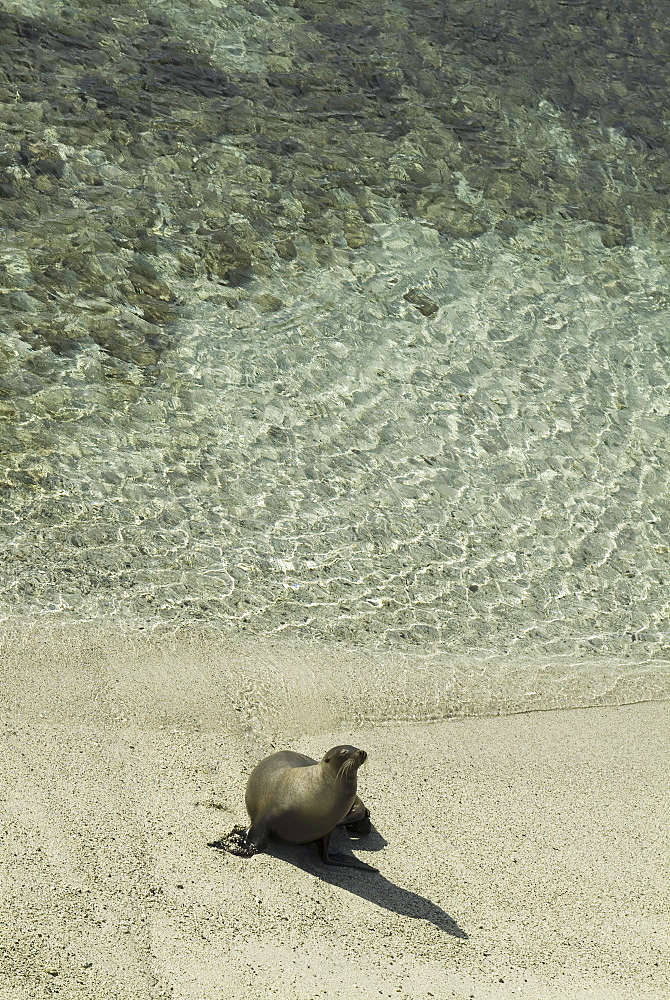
pixel 234 842
pixel 256 837
pixel 357 819
pixel 341 860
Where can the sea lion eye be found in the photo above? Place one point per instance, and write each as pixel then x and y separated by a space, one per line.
pixel 342 752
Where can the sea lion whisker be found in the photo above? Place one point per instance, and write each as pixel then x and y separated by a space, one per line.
pixel 349 765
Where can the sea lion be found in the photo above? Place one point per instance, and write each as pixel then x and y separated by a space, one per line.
pixel 297 799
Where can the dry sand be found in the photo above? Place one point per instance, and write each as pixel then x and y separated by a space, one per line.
pixel 520 856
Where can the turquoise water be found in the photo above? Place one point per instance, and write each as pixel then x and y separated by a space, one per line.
pixel 431 444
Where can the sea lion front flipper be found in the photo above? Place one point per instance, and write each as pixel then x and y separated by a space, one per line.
pixel 347 861
pixel 341 860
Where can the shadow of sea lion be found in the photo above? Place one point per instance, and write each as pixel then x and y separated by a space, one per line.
pixel 368 885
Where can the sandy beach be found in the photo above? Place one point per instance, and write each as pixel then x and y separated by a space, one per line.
pixel 519 856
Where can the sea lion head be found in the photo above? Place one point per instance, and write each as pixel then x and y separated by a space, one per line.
pixel 344 761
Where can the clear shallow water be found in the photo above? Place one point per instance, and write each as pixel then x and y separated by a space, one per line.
pixel 493 475
pixel 434 447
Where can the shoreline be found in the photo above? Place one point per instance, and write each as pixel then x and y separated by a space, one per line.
pixel 264 685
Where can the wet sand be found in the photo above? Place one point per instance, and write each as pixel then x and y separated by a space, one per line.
pixel 519 856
